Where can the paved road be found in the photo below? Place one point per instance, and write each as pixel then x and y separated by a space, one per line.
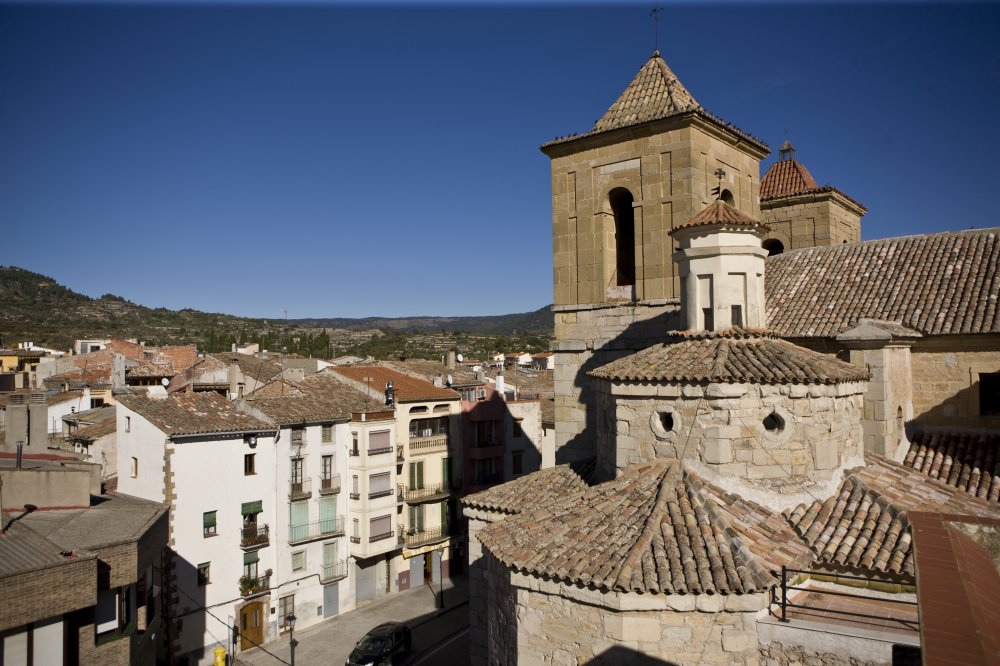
pixel 439 637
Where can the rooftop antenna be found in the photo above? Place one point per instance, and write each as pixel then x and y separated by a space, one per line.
pixel 655 13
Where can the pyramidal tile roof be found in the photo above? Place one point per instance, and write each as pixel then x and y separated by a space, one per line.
pixel 655 92
pixel 734 356
pixel 651 530
pixel 719 212
pixel 533 490
pixel 786 177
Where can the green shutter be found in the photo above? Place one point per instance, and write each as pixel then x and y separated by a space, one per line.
pixel 444 517
pixel 208 519
pixel 328 514
pixel 250 558
pixel 420 474
pixel 446 473
pixel 250 508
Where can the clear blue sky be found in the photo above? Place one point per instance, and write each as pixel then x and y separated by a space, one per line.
pixel 341 160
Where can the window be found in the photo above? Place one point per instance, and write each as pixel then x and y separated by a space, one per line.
pixel 356 531
pixel 355 488
pixel 380 528
pixel 416 475
pixel 416 522
pixel 135 468
pixel 354 443
pixel 737 315
pixel 518 431
pixel 517 462
pixel 296 472
pixel 208 523
pixel 429 427
pixel 422 409
pixel 96 402
pixel 249 465
pixel 113 613
pixel 299 560
pixel 989 393
pixel 298 521
pixel 286 606
pixel 773 423
pixel 327 434
pixel 446 473
pixel 378 442
pixel 327 467
pixel 204 576
pixel 298 436
pixel 128 424
pixel 485 472
pixel 484 433
pixel 250 561
pixel 379 485
pixel 621 206
pixel 774 246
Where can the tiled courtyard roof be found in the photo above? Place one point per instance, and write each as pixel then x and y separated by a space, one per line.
pixel 654 93
pixel 969 461
pixel 936 284
pixel 734 355
pixel 406 388
pixel 786 177
pixel 720 212
pixel 652 530
pixel 193 413
pixel 865 524
pixel 532 490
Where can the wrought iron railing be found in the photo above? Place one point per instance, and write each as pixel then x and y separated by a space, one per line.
pixel 329 485
pixel 254 536
pixel 416 537
pixel 426 494
pixel 334 571
pixel 300 489
pixel 317 530
pixel 253 586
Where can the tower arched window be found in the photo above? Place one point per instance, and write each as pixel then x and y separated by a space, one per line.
pixel 773 246
pixel 727 197
pixel 621 207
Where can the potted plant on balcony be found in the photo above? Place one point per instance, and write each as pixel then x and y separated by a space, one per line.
pixel 246 585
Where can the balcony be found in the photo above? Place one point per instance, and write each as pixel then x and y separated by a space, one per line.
pixel 355 539
pixel 375 494
pixel 329 485
pixel 300 489
pixel 415 537
pixel 428 494
pixel 318 530
pixel 254 537
pixel 428 444
pixel 333 572
pixel 380 537
pixel 382 450
pixel 252 587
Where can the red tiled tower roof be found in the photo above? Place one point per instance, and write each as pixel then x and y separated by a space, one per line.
pixel 785 178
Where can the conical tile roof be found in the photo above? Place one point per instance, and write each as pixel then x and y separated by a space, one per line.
pixel 655 92
pixel 651 530
pixel 786 178
pixel 719 212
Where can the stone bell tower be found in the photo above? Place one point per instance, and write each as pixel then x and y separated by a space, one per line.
pixel 648 165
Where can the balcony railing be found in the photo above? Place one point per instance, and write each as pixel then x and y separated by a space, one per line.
pixel 425 444
pixel 335 571
pixel 430 493
pixel 375 494
pixel 301 489
pixel 380 537
pixel 355 539
pixel 416 537
pixel 255 536
pixel 317 530
pixel 379 451
pixel 355 495
pixel 329 485
pixel 251 587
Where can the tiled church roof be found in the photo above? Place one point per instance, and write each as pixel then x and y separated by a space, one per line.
pixel 532 490
pixel 865 524
pixel 938 284
pixel 969 461
pixel 734 355
pixel 655 92
pixel 786 177
pixel 653 530
pixel 720 212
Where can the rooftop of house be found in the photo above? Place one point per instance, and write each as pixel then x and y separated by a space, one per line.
pixel 99 429
pixel 320 398
pixel 935 284
pixel 431 370
pixel 23 550
pixel 113 519
pixel 406 387
pixel 193 414
pixel 532 490
pixel 260 369
pixel 965 459
pixel 734 355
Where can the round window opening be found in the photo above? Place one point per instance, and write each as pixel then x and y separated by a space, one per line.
pixel 667 421
pixel 774 423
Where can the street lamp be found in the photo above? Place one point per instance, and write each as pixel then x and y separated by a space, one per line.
pixel 290 622
pixel 441 576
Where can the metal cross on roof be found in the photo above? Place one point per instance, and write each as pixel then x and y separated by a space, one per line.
pixel 655 13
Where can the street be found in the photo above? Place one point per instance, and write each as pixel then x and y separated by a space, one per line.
pixel 439 636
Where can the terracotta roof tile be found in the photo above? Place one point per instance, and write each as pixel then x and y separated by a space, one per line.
pixel 652 530
pixel 532 490
pixel 786 177
pixel 406 387
pixel 865 525
pixel 259 368
pixel 720 212
pixel 967 460
pixel 735 355
pixel 96 431
pixel 319 398
pixel 194 413
pixel 938 284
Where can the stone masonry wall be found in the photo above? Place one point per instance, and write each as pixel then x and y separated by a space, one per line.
pixel 39 595
pixel 776 654
pixel 810 222
pixel 946 380
pixel 567 625
pixel 588 338
pixel 719 428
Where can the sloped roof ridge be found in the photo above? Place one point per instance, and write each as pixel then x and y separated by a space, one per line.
pixel 719 212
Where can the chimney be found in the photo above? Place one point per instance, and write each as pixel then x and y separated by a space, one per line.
pixel 439 381
pixel 19 462
pixel 117 372
pixel 481 376
pixel 38 416
pixel 17 421
pixel 234 379
pixel 451 360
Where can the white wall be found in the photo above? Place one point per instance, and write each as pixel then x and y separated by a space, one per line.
pixel 140 439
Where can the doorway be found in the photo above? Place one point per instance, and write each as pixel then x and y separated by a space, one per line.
pixel 251 625
pixel 428 568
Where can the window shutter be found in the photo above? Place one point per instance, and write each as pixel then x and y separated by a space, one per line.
pixel 208 519
pixel 446 473
pixel 250 508
pixel 250 558
pixel 444 517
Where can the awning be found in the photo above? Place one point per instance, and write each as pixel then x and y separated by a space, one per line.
pixel 252 507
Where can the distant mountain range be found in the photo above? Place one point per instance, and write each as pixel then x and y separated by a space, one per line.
pixel 35 307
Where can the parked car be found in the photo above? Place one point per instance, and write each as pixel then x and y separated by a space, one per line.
pixel 381 645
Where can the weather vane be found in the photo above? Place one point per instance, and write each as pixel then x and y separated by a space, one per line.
pixel 655 13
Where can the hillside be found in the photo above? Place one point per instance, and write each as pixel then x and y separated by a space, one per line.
pixel 35 307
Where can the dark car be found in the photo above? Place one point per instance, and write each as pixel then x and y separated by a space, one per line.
pixel 381 645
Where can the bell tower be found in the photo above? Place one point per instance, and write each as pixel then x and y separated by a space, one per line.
pixel 647 166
